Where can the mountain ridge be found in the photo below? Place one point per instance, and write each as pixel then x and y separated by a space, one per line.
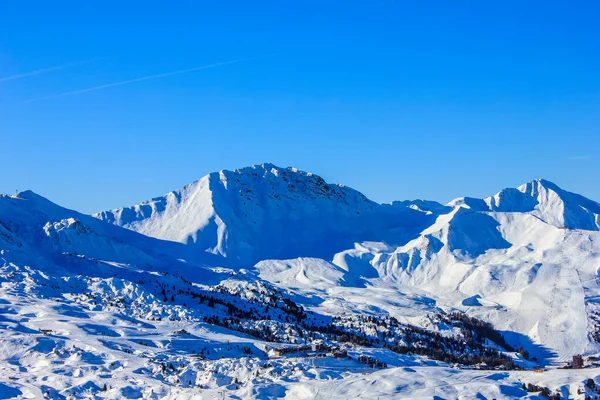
pixel 225 212
pixel 544 199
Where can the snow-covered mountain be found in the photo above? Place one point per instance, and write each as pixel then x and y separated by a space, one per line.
pixel 194 290
pixel 544 200
pixel 507 257
pixel 264 212
pixel 92 310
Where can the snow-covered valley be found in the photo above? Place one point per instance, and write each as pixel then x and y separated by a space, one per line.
pixel 268 282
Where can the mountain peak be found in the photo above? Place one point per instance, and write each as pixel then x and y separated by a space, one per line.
pixel 26 194
pixel 550 203
pixel 266 169
pixel 38 203
pixel 265 211
pixel 538 185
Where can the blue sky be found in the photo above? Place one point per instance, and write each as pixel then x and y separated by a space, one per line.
pixel 399 100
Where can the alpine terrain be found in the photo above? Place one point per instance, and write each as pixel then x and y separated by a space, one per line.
pixel 268 282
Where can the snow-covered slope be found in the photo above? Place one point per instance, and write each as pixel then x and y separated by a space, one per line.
pixel 530 278
pixel 525 259
pixel 312 261
pixel 92 310
pixel 518 258
pixel 30 221
pixel 264 212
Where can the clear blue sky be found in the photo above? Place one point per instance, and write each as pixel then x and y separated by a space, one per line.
pixel 398 99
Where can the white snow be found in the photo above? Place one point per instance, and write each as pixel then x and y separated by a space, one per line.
pixel 85 302
pixel 267 212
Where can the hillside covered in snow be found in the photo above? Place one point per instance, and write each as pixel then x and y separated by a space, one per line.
pixel 517 258
pixel 268 282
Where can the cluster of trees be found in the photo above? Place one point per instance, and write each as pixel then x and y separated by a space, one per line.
pixel 237 304
pixel 469 350
pixel 595 316
pixel 475 329
pixel 407 339
pixel 544 391
pixel 491 357
pixel 242 307
pixel 265 332
pixel 371 331
pixel 268 296
pixel 591 385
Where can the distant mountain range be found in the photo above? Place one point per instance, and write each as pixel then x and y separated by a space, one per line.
pixel 525 259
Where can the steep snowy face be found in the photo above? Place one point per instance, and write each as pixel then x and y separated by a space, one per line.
pixel 267 212
pixel 177 216
pixel 543 199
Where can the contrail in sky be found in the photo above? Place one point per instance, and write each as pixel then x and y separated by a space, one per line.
pixel 42 71
pixel 145 78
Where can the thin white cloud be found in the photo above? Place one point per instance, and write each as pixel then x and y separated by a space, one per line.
pixel 145 78
pixel 42 71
